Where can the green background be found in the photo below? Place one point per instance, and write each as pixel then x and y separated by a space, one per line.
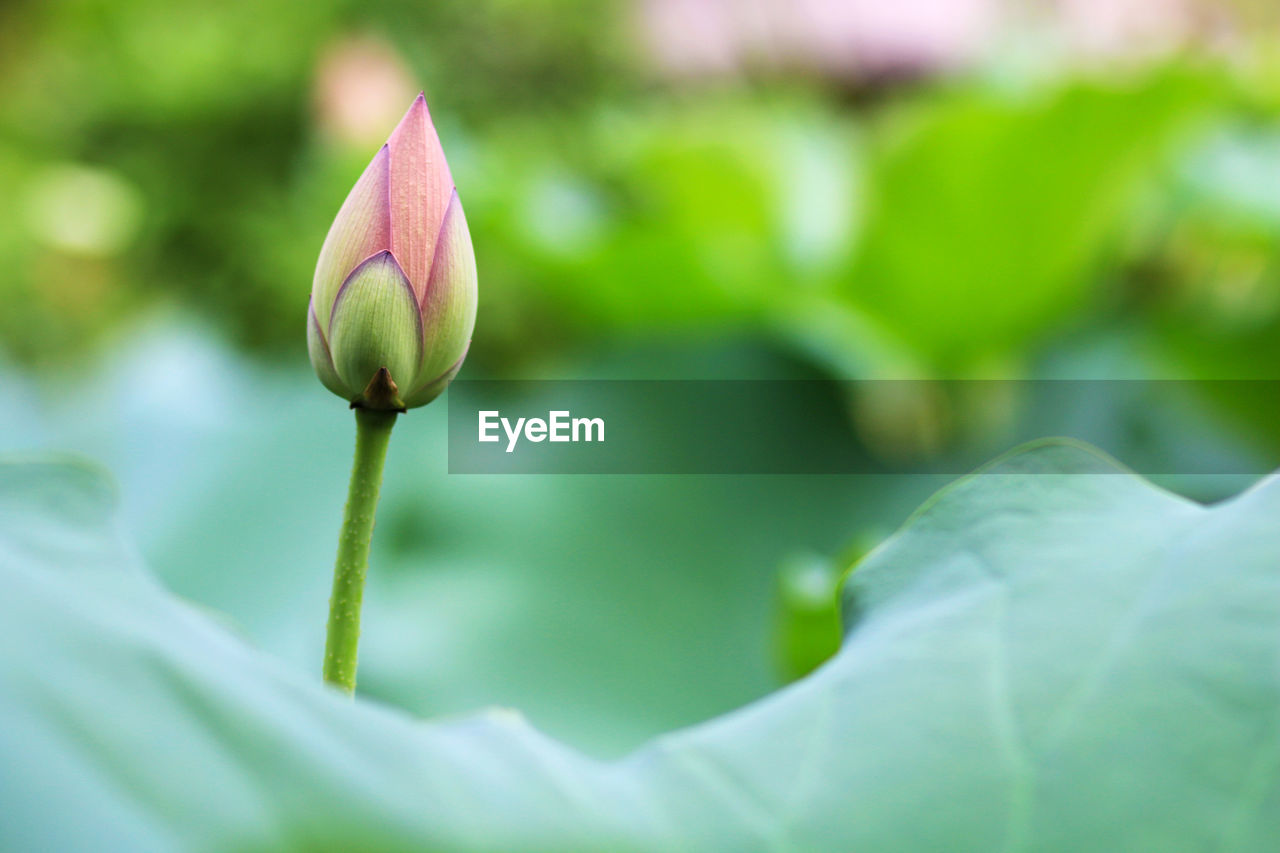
pixel 169 170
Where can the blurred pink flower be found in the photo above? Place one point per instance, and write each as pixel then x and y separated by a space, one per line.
pixel 855 39
pixel 1125 27
pixel 839 37
pixel 361 87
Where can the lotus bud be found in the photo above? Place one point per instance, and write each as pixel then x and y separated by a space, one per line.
pixel 393 303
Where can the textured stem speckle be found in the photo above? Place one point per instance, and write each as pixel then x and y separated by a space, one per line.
pixel 373 430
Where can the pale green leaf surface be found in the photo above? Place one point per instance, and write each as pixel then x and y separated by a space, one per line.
pixel 1052 656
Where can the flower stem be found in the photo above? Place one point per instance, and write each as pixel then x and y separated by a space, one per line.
pixel 373 430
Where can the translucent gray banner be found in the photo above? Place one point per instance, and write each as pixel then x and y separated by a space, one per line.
pixel 853 427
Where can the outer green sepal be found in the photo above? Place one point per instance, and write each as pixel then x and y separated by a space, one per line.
pixel 376 327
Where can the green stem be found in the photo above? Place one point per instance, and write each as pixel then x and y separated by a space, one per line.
pixel 373 430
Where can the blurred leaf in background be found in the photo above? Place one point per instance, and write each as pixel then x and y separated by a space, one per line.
pixel 992 212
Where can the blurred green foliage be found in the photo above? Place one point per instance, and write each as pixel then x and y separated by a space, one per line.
pixel 206 113
pixel 956 227
pixel 808 628
pixel 993 214
pixel 185 159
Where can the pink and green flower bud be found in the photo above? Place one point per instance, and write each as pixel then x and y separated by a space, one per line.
pixel 393 303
